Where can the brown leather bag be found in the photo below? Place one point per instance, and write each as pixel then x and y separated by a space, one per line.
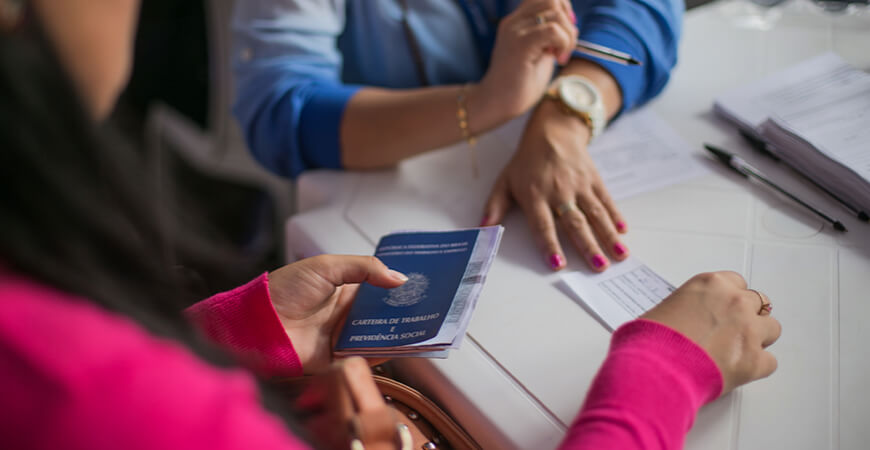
pixel 348 407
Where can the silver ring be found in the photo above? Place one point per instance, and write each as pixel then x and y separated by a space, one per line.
pixel 540 19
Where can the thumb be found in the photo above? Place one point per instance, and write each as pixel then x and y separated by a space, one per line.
pixel 345 269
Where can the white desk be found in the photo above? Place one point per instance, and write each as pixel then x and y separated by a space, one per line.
pixel 531 352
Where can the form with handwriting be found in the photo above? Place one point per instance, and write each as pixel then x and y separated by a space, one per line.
pixel 622 293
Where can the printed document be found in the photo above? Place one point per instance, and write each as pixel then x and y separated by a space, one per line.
pixel 640 153
pixel 625 291
pixel 814 115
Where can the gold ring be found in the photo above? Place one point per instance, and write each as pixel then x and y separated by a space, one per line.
pixel 565 208
pixel 765 306
pixel 540 19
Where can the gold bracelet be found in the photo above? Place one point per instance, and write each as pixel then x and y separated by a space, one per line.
pixel 462 117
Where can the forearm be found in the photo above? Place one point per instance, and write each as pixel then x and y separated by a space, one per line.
pixel 647 392
pixel 416 120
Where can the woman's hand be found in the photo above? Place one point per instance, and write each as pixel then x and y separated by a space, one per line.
pixel 552 175
pixel 529 42
pixel 312 297
pixel 716 311
pixel 342 404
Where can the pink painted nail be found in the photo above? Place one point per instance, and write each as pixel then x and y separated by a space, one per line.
pixel 484 221
pixel 556 261
pixel 598 261
pixel 620 225
pixel 573 18
pixel 619 249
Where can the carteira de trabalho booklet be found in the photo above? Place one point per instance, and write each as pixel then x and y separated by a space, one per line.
pixel 428 315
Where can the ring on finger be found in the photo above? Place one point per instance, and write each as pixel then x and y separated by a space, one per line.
pixel 565 208
pixel 540 19
pixel 765 306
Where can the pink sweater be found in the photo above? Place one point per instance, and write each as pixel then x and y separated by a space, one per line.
pixel 74 376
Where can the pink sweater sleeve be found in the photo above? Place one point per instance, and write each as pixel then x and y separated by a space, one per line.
pixel 647 393
pixel 75 376
pixel 244 321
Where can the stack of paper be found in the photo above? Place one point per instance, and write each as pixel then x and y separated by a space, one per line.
pixel 428 315
pixel 816 117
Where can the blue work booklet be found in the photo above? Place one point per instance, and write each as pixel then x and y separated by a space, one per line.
pixel 428 315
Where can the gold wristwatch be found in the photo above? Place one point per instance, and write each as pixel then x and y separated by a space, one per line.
pixel 579 97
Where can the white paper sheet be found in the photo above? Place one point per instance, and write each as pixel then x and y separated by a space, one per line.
pixel 814 85
pixel 622 293
pixel 640 153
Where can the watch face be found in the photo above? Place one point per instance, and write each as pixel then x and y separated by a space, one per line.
pixel 577 95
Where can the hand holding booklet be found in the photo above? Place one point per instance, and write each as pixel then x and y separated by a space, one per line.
pixel 428 315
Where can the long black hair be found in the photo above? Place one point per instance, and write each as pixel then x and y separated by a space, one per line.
pixel 75 203
pixel 78 212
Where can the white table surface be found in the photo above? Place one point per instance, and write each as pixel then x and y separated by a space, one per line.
pixel 531 350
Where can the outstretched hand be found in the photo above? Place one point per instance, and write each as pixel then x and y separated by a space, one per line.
pixel 312 297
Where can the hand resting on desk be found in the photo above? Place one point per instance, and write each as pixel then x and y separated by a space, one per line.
pixel 555 182
pixel 552 168
pixel 701 342
pixel 719 313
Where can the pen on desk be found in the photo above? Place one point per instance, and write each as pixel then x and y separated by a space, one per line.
pixel 607 53
pixel 758 144
pixel 740 166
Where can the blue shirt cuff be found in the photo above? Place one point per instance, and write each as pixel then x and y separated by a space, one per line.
pixel 632 80
pixel 320 124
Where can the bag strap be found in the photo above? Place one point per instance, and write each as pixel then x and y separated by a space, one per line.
pixel 446 426
pixel 342 408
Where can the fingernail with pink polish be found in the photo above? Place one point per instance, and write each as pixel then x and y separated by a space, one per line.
pixel 620 226
pixel 573 18
pixel 484 221
pixel 556 261
pixel 619 249
pixel 598 261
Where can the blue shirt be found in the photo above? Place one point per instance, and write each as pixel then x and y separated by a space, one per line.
pixel 298 62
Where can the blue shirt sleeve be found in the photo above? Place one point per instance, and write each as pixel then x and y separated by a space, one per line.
pixel 289 98
pixel 287 62
pixel 646 29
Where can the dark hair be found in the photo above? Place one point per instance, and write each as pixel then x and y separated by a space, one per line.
pixel 76 208
pixel 75 200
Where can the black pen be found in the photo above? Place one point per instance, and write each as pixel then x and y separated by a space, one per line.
pixel 758 144
pixel 740 166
